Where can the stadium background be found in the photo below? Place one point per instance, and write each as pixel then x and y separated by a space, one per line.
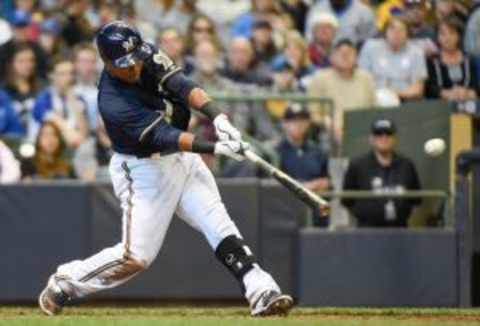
pixel 256 58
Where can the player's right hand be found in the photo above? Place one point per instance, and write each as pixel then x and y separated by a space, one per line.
pixel 231 148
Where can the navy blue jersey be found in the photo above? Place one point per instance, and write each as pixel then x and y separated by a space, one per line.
pixel 146 117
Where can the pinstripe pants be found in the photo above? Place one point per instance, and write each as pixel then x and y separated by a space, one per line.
pixel 151 191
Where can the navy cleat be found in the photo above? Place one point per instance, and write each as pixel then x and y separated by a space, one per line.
pixel 271 303
pixel 53 298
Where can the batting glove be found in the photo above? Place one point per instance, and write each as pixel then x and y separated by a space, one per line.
pixel 224 129
pixel 232 149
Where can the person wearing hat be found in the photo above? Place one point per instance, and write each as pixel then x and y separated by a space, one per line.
pixel 321 36
pixel 356 20
pixel 301 158
pixel 421 31
pixel 381 170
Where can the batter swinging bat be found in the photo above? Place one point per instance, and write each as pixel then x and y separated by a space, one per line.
pixel 294 186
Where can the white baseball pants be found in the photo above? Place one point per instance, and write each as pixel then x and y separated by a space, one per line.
pixel 151 191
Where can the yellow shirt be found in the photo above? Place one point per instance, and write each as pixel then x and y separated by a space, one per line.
pixel 346 94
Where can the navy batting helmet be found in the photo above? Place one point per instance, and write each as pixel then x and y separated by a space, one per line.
pixel 121 44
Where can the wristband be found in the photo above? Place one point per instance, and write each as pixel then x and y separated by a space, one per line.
pixel 201 146
pixel 211 110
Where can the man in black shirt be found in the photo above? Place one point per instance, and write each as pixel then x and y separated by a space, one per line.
pixel 381 170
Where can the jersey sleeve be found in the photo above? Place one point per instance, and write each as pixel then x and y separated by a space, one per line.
pixel 163 74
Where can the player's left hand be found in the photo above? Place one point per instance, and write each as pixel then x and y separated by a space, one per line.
pixel 232 149
pixel 224 129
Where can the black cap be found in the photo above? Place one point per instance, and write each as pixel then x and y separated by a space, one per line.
pixel 383 125
pixel 296 111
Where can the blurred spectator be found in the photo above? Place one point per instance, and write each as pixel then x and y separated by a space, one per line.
pixel 207 59
pixel 201 28
pixel 250 118
pixel 167 13
pixel 147 30
pixel 356 19
pixel 382 170
pixel 172 43
pixel 48 161
pixel 92 157
pixel 335 83
pixel 297 10
pixel 10 125
pixel 300 158
pixel 86 73
pixel 22 85
pixel 395 63
pixel 77 27
pixel 263 43
pixel 296 54
pixel 60 105
pixel 108 10
pixel 51 40
pixel 9 166
pixel 420 32
pixel 472 34
pixel 230 10
pixel 260 10
pixel 452 75
pixel 324 27
pixel 241 66
pixel 20 23
pixel 29 9
pixel 284 82
pixel 452 8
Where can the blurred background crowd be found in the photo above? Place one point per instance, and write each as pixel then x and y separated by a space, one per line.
pixel 357 53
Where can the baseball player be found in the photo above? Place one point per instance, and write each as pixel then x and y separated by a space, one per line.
pixel 144 100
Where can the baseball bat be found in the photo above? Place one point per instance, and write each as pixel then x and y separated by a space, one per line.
pixel 304 194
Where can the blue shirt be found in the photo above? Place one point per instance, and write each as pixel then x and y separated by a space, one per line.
pixel 303 163
pixel 146 117
pixel 242 26
pixel 9 122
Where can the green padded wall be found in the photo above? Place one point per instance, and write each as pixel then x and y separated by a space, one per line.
pixel 416 123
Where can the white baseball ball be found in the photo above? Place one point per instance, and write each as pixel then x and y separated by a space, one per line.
pixel 435 147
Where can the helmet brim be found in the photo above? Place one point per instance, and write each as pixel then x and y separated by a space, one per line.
pixel 142 52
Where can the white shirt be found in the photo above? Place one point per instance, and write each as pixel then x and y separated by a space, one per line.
pixel 9 166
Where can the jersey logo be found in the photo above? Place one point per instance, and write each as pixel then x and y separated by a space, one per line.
pixel 162 59
pixel 129 44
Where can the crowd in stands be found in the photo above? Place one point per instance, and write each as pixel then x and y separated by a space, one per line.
pixel 358 53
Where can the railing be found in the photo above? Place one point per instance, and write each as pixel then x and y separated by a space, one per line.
pixel 325 105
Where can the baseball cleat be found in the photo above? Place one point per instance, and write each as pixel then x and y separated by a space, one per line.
pixel 272 303
pixel 53 298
